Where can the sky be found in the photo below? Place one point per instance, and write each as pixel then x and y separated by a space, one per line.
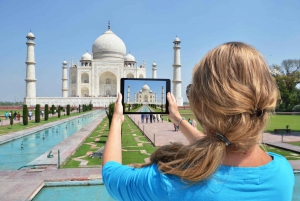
pixel 66 29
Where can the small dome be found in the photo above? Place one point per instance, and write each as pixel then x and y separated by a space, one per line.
pixel 145 88
pixel 108 45
pixel 30 35
pixel 176 39
pixel 64 62
pixel 129 57
pixel 86 57
pixel 154 64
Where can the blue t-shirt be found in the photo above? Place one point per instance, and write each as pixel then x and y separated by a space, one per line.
pixel 273 181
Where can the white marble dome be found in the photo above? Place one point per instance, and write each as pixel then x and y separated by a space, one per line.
pixel 30 35
pixel 154 64
pixel 129 57
pixel 108 45
pixel 86 56
pixel 64 62
pixel 176 39
pixel 145 88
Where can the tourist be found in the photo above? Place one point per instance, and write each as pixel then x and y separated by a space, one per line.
pixel 18 116
pixel 154 118
pixel 9 115
pixel 157 117
pixel 6 115
pixel 15 115
pixel 147 118
pixel 231 95
pixel 162 118
pixel 190 121
pixel 142 117
pixel 30 114
pixel 194 124
pixel 151 117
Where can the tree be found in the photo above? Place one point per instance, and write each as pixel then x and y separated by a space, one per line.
pixel 46 112
pixel 58 111
pixel 25 115
pixel 52 109
pixel 287 76
pixel 11 120
pixel 37 113
pixel 68 110
pixel 110 113
pixel 79 108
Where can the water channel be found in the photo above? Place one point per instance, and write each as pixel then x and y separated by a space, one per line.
pixel 20 152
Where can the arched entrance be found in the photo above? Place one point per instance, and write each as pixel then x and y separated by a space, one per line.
pixel 107 84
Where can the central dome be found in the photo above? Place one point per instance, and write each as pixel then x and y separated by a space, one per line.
pixel 108 45
pixel 145 88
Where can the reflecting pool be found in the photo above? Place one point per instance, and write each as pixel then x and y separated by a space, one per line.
pixel 22 151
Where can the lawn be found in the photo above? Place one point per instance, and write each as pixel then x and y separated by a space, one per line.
pixel 18 125
pixel 131 152
pixel 275 121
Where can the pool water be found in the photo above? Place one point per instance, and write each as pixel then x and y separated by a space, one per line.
pixel 296 192
pixel 73 193
pixel 20 152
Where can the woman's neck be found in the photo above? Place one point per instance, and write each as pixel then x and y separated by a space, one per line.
pixel 252 158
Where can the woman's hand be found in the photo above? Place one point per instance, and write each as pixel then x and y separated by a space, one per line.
pixel 174 114
pixel 118 111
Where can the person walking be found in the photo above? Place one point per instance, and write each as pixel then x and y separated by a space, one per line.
pixel 18 116
pixel 6 115
pixel 30 114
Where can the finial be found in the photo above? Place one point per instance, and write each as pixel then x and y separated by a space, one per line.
pixel 108 25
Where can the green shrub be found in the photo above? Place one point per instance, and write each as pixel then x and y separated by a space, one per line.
pixel 46 112
pixel 25 115
pixel 37 113
pixel 11 121
pixel 68 110
pixel 110 113
pixel 58 111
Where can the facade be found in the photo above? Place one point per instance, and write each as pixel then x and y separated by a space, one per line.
pixel 95 79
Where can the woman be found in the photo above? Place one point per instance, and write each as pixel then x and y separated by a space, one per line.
pixel 232 94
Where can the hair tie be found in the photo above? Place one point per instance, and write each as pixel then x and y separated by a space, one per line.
pixel 224 139
pixel 258 112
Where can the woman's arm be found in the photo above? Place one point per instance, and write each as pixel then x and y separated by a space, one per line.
pixel 186 128
pixel 112 151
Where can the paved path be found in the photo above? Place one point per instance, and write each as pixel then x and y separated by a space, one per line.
pixel 159 133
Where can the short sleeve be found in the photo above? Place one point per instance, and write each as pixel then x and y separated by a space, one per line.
pixel 127 183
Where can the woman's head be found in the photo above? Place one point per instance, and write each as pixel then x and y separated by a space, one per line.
pixel 231 92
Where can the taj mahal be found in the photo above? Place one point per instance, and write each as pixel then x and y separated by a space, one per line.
pixel 96 77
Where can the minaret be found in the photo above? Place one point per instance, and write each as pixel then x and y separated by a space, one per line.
pixel 154 70
pixel 177 72
pixel 30 69
pixel 162 95
pixel 64 80
pixel 128 93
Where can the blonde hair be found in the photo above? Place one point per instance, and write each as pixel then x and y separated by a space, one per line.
pixel 230 86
